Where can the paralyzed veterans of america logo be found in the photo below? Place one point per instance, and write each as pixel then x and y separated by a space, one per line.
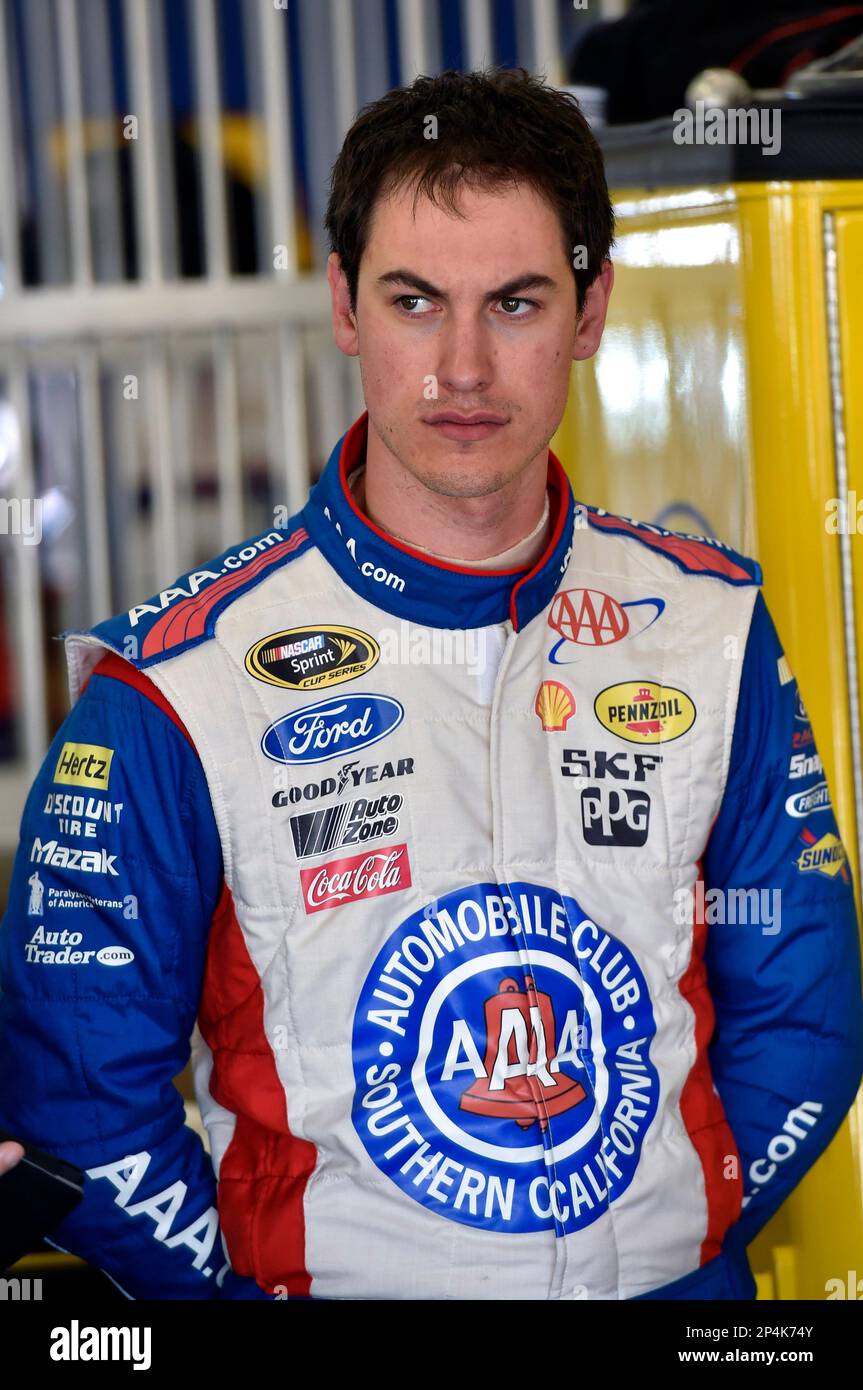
pixel 501 1051
pixel 591 618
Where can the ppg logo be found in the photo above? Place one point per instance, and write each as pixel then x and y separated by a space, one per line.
pixel 615 816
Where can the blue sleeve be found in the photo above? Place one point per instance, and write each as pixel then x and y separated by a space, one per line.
pixel 102 953
pixel 787 1052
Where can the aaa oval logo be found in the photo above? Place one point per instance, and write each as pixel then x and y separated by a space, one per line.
pixel 307 658
pixel 645 712
pixel 501 1052
pixel 341 724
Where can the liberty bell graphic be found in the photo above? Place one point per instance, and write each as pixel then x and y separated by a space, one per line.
pixel 520 1028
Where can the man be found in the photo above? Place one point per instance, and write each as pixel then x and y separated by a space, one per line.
pixel 412 803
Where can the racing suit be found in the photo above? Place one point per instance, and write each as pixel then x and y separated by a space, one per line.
pixel 503 913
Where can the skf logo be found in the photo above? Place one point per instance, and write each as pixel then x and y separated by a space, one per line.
pixel 555 705
pixel 591 618
pixel 84 765
pixel 644 712
pixel 306 658
pixel 363 876
pixel 824 855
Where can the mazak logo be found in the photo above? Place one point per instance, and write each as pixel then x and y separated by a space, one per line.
pixel 332 727
pixel 591 618
pixel 803 804
pixel 362 876
pixel 87 861
pixel 494 1030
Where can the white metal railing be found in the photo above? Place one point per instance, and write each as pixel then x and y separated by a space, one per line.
pixel 165 329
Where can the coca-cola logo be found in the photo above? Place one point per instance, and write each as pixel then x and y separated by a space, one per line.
pixel 361 876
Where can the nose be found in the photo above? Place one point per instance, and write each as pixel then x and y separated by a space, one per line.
pixel 465 357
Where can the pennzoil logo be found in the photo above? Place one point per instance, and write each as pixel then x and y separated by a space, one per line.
pixel 84 765
pixel 555 705
pixel 308 658
pixel 644 711
pixel 823 854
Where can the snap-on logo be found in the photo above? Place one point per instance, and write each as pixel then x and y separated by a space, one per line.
pixel 501 1051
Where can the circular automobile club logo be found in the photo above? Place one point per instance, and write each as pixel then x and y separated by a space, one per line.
pixel 501 1051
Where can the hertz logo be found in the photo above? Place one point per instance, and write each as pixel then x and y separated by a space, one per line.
pixel 84 765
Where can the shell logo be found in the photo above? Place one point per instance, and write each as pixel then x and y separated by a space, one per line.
pixel 555 705
pixel 644 711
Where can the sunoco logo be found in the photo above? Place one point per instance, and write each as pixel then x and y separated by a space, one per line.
pixel 644 712
pixel 306 658
pixel 502 1064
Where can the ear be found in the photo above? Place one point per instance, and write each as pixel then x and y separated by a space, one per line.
pixel 344 321
pixel 592 321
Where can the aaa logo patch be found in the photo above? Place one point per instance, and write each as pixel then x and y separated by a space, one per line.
pixel 501 1051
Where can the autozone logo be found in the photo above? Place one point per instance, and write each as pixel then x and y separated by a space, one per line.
pixel 349 823
pixel 362 876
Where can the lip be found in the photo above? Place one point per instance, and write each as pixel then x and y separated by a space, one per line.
pixel 454 425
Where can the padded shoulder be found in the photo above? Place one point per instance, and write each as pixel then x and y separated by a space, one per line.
pixel 692 553
pixel 185 614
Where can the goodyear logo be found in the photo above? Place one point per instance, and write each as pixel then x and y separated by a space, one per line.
pixel 308 658
pixel 645 712
pixel 84 765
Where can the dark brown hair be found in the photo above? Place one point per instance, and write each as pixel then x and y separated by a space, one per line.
pixel 495 127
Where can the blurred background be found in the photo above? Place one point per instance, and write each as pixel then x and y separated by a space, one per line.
pixel 167 378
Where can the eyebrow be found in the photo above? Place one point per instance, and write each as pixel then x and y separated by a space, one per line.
pixel 529 281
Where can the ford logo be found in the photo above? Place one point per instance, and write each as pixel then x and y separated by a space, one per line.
pixel 331 728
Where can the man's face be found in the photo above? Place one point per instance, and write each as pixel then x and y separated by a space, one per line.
pixel 465 330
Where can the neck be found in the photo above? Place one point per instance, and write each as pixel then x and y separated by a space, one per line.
pixel 468 529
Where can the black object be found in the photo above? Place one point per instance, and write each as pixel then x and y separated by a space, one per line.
pixel 820 140
pixel 35 1196
pixel 646 60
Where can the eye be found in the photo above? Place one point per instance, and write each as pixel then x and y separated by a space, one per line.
pixel 404 302
pixel 529 303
